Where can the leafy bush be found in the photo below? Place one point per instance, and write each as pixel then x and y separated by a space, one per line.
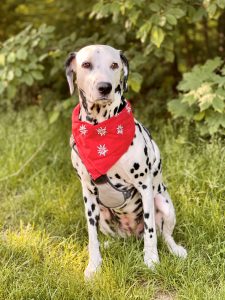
pixel 161 39
pixel 22 62
pixel 202 97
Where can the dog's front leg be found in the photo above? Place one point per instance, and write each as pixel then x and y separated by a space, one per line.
pixel 92 214
pixel 150 238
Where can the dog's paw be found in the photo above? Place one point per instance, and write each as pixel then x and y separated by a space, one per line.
pixel 179 251
pixel 91 269
pixel 151 260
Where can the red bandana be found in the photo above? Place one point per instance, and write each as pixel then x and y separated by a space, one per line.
pixel 101 145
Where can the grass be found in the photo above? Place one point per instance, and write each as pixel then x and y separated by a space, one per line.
pixel 43 245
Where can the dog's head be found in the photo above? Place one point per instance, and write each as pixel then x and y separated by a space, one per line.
pixel 101 73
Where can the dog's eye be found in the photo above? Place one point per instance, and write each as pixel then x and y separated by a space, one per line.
pixel 86 65
pixel 114 66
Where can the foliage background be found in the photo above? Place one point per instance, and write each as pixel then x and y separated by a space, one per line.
pixel 176 54
pixel 162 40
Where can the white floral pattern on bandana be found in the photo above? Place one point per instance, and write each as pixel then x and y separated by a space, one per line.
pixel 119 129
pixel 83 130
pixel 102 131
pixel 102 150
pixel 128 108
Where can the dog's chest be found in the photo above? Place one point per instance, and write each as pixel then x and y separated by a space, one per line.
pixel 126 218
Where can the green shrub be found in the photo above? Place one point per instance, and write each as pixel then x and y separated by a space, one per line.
pixel 22 62
pixel 202 97
pixel 161 39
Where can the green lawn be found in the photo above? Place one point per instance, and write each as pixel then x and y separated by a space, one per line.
pixel 43 246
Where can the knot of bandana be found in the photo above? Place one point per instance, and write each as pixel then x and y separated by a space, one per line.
pixel 100 146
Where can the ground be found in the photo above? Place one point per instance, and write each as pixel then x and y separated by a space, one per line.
pixel 43 246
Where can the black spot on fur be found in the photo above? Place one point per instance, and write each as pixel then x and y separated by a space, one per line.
pixel 93 207
pixel 136 166
pixel 150 236
pixel 98 108
pixel 92 221
pixel 138 201
pixel 146 226
pixel 138 207
pixel 155 173
pixel 144 186
pixel 117 176
pixel 90 191
pixel 159 188
pixel 97 219
pixel 118 89
pixel 136 176
pixel 105 113
pixel 124 205
pixel 88 118
pixel 148 133
pixel 118 185
pixel 117 218
pixel 146 170
pixel 140 182
pixel 164 187
pixel 139 215
pixel 134 193
pixel 151 230
pixel 132 170
pixel 89 213
pixel 146 150
pixel 146 215
pixel 139 127
pixel 159 166
pixel 84 100
pixel 122 105
pixel 85 199
pixel 141 174
pixel 115 110
pixel 167 201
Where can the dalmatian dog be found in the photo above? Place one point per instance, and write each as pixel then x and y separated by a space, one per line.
pixel 101 78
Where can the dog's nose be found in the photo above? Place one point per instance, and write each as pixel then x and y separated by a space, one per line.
pixel 104 88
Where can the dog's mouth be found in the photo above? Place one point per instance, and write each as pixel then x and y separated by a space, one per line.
pixel 103 100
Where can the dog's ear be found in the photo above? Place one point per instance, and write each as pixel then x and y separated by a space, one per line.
pixel 125 71
pixel 70 66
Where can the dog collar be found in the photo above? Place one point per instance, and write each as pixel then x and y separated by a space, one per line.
pixel 100 146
